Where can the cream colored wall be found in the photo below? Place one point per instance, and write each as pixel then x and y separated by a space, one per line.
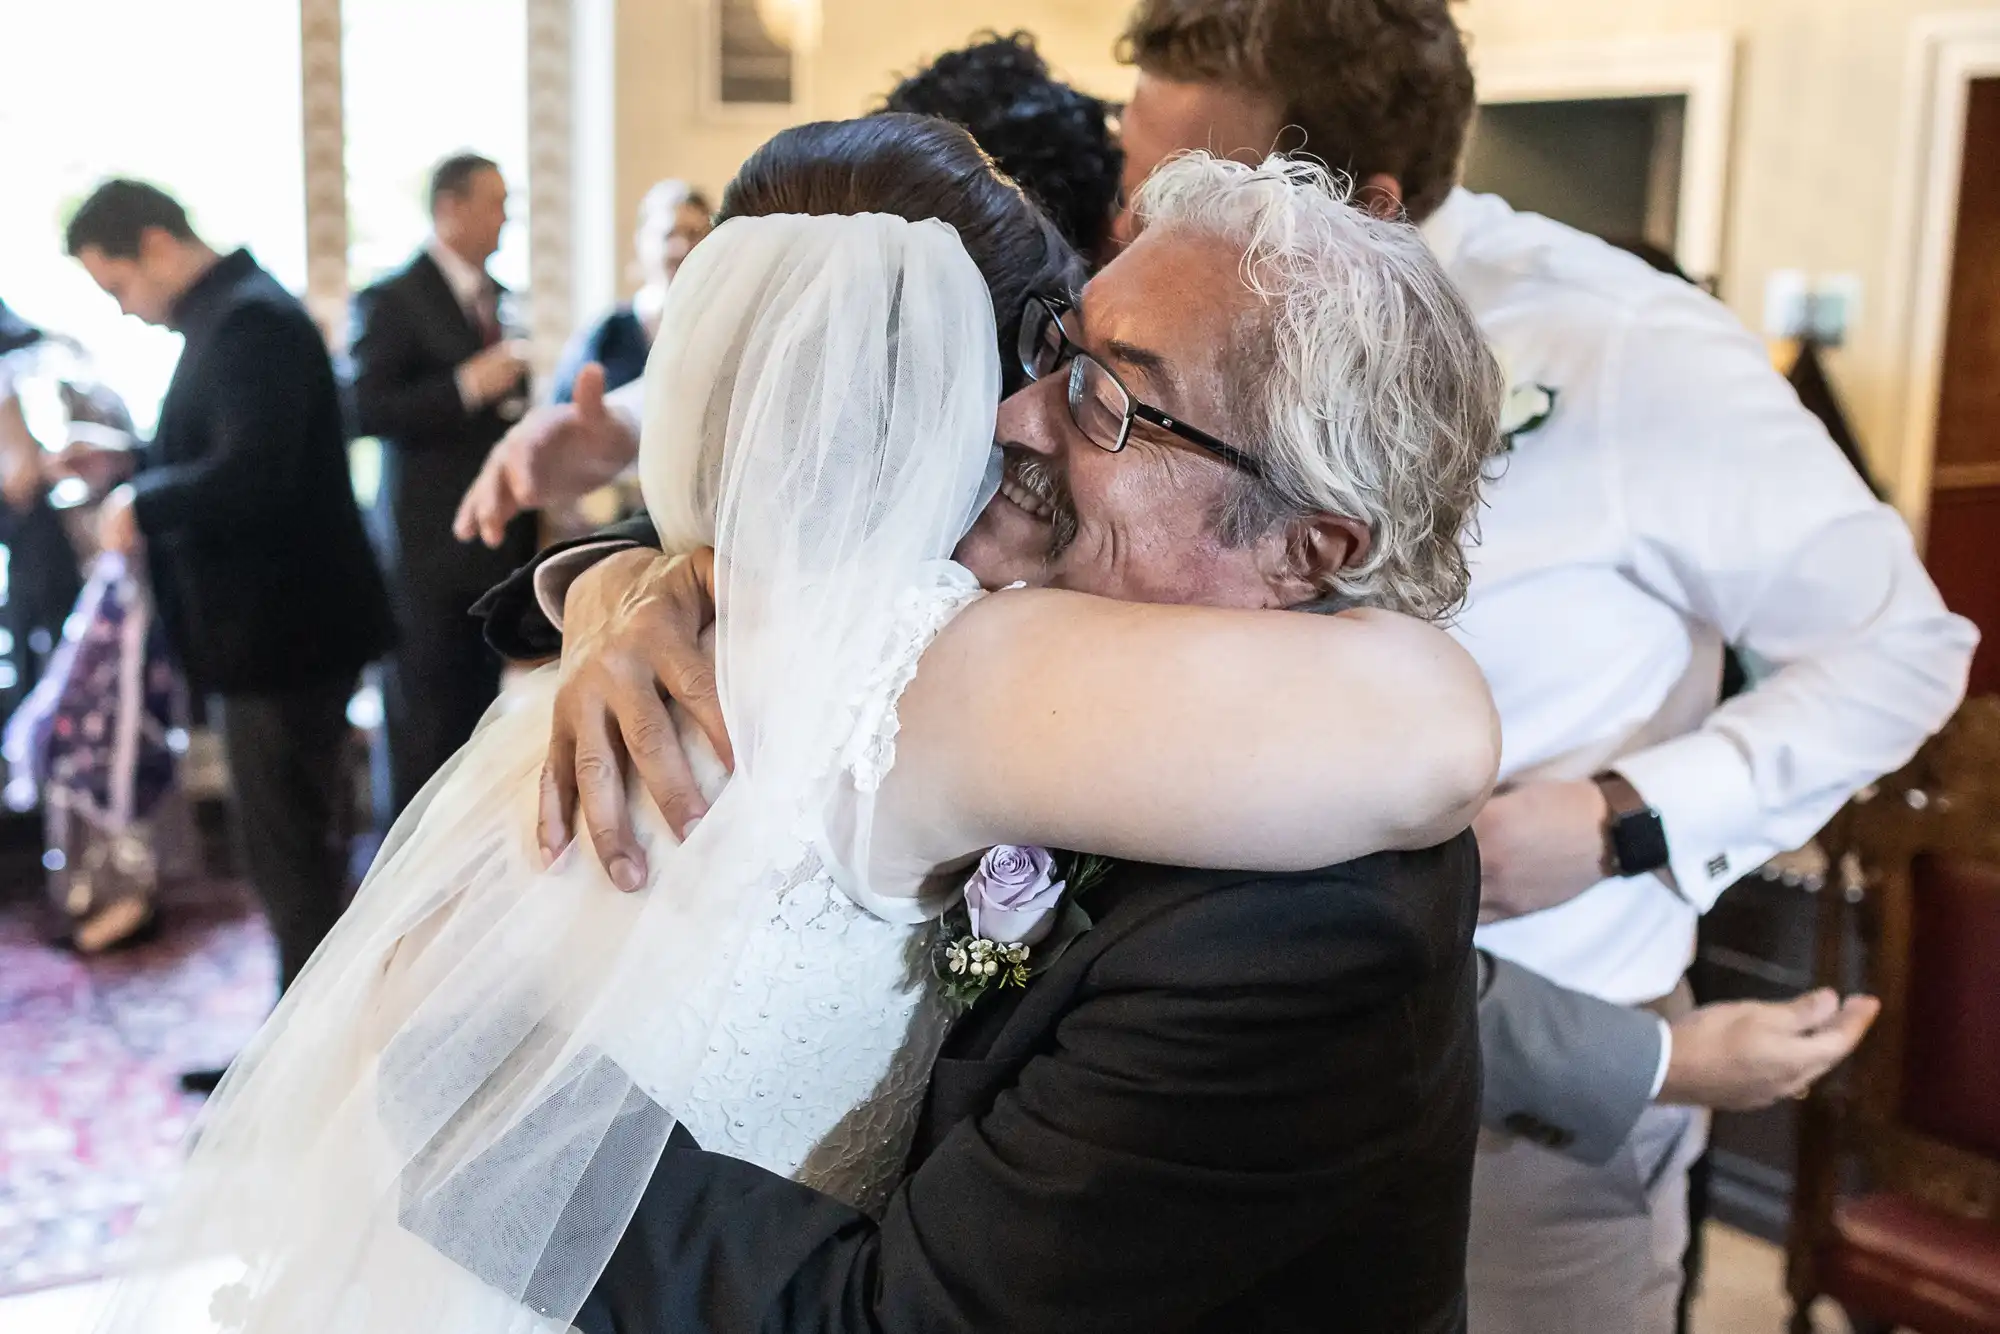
pixel 1818 127
pixel 863 45
pixel 1818 120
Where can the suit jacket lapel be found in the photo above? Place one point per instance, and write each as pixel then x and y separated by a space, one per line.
pixel 1008 1024
pixel 436 291
pixel 988 1044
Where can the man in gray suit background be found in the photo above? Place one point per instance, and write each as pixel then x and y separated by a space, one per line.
pixel 1573 1073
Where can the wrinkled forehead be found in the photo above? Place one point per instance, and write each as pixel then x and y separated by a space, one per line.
pixel 1167 311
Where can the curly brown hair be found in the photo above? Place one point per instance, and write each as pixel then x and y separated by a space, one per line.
pixel 1377 86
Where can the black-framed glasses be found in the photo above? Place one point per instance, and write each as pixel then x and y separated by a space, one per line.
pixel 1100 404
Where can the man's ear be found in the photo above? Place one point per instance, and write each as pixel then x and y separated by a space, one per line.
pixel 1382 195
pixel 1301 558
pixel 156 247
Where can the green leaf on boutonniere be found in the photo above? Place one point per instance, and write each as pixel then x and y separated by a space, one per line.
pixel 1081 870
pixel 1526 409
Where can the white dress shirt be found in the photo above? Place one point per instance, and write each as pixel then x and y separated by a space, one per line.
pixel 467 281
pixel 1677 498
pixel 474 289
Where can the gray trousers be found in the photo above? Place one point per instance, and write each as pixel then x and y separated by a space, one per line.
pixel 1560 1247
pixel 285 751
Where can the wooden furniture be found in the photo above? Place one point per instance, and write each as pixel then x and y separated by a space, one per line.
pixel 1965 476
pixel 1896 1210
pixel 1756 943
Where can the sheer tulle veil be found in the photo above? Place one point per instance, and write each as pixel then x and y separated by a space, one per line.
pixel 446 1124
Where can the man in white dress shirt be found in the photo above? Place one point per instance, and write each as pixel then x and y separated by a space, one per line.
pixel 1666 494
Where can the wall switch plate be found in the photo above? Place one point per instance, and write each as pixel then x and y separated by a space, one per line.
pixel 1836 304
pixel 1820 306
pixel 1787 303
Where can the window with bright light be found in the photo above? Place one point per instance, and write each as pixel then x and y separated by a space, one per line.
pixel 423 79
pixel 200 97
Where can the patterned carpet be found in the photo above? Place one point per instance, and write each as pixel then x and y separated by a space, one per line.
pixel 91 1113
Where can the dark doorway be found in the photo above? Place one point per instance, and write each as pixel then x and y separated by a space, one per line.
pixel 1608 166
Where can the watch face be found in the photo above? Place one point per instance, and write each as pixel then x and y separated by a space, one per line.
pixel 1640 841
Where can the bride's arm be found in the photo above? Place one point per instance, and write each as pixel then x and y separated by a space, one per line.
pixel 1244 739
pixel 1195 736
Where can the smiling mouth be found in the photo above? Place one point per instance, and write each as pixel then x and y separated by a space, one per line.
pixel 1027 500
pixel 1028 483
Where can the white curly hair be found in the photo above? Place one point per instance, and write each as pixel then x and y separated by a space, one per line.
pixel 1369 393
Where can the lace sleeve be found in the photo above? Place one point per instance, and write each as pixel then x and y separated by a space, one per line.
pixel 925 610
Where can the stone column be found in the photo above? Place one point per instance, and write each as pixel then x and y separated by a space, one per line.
pixel 325 144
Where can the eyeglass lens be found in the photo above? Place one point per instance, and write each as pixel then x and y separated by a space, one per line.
pixel 1097 402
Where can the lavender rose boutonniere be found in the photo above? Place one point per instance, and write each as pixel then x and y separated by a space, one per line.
pixel 1011 905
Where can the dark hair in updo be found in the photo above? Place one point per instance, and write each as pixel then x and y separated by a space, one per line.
pixel 1054 140
pixel 915 167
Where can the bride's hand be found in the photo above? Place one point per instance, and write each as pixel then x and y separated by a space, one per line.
pixel 632 628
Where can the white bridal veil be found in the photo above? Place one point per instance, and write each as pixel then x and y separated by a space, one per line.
pixel 449 1119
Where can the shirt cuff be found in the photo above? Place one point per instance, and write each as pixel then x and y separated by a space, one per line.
pixel 1666 1058
pixel 1701 786
pixel 554 575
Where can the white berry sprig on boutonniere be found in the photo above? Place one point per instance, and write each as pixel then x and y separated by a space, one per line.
pixel 1016 916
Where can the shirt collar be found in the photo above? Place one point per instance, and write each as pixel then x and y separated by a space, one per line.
pixel 467 282
pixel 191 305
pixel 1444 230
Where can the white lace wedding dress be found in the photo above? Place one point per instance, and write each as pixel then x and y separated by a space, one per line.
pixel 447 1123
pixel 821 1055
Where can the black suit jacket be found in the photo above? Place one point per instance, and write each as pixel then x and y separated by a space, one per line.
pixel 1239 1103
pixel 1564 1070
pixel 260 562
pixel 516 627
pixel 410 336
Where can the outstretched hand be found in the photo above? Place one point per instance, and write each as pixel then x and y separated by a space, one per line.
pixel 632 641
pixel 1740 1056
pixel 555 454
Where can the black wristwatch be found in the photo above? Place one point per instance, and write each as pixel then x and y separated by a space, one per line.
pixel 1635 839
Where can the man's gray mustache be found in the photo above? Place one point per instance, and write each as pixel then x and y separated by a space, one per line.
pixel 1049 484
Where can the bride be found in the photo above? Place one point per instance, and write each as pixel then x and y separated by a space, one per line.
pixel 448 1121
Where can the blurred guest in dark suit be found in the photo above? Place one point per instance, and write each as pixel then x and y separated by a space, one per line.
pixel 437 383
pixel 672 218
pixel 1054 141
pixel 260 564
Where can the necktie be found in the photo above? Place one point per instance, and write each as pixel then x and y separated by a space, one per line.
pixel 486 315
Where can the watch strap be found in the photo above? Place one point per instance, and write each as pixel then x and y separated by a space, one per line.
pixel 1629 824
pixel 1619 794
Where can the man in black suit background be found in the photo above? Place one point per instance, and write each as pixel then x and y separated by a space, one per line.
pixel 259 559
pixel 437 382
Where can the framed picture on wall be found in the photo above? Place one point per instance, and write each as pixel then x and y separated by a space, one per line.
pixel 756 58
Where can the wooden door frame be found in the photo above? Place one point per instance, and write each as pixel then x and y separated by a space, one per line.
pixel 1700 67
pixel 1947 52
